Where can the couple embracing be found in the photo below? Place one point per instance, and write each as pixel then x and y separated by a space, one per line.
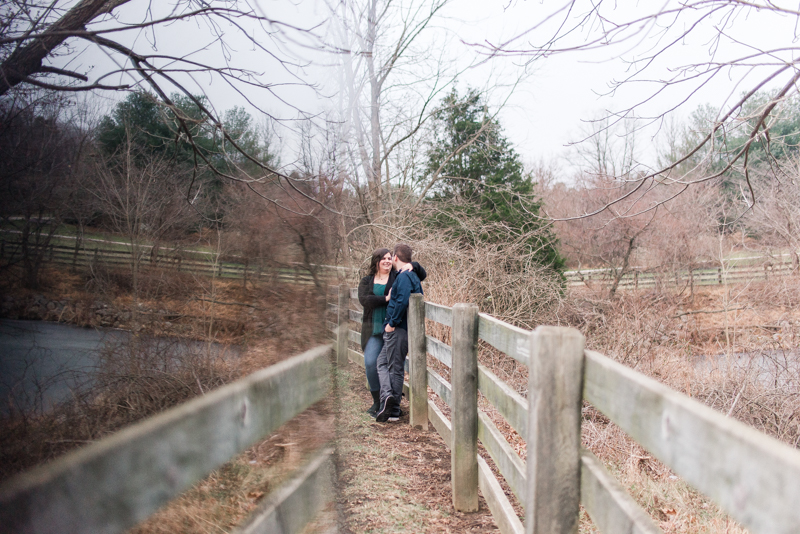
pixel 384 294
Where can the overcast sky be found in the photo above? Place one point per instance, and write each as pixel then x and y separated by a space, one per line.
pixel 547 110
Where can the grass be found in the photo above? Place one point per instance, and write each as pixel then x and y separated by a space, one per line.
pixel 393 478
pixel 676 506
pixel 374 492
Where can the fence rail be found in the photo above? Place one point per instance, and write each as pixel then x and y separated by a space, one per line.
pixel 113 484
pixel 733 271
pixel 183 261
pixel 751 476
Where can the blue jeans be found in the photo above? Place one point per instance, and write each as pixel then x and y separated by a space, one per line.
pixel 371 351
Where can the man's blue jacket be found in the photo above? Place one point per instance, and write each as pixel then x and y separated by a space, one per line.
pixel 397 310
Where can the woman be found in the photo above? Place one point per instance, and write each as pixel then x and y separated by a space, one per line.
pixel 373 294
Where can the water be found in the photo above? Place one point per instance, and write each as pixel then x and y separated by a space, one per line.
pixel 42 363
pixel 779 369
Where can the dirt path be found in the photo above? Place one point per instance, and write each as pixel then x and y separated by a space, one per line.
pixel 392 478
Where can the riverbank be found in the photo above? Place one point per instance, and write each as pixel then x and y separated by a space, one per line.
pixel 171 304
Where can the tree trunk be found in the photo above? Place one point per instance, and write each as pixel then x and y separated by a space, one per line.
pixel 622 270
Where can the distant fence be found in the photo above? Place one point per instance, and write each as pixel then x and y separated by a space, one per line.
pixel 751 476
pixel 113 484
pixel 734 271
pixel 97 253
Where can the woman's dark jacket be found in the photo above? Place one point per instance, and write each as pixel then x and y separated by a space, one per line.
pixel 370 301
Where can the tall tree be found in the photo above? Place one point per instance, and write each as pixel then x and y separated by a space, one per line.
pixel 383 108
pixel 154 129
pixel 478 175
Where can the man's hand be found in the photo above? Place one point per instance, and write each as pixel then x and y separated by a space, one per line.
pixel 389 295
pixel 389 328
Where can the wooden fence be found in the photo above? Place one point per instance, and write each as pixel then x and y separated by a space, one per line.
pixel 751 476
pixel 733 271
pixel 111 485
pixel 190 261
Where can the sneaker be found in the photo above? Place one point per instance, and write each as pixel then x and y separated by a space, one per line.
pixel 393 419
pixel 385 411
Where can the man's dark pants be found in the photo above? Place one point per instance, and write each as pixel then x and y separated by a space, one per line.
pixel 391 365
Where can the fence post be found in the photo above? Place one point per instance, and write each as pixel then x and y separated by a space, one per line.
pixel 554 431
pixel 418 363
pixel 342 323
pixel 464 449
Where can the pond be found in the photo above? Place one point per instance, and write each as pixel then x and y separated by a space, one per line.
pixel 43 363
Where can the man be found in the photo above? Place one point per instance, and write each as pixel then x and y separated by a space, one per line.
pixel 391 360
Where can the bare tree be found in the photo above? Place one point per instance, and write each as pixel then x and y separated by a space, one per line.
pixel 647 36
pixel 142 197
pixel 611 238
pixel 389 83
pixel 776 215
pixel 609 150
pixel 682 233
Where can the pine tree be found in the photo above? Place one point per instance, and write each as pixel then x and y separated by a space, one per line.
pixel 481 177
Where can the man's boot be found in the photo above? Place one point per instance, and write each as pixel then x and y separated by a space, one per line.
pixel 376 403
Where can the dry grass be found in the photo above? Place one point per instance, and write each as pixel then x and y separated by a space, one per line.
pixel 732 348
pixel 394 479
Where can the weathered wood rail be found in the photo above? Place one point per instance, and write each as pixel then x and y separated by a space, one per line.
pixel 734 271
pixel 751 476
pixel 113 484
pixel 212 265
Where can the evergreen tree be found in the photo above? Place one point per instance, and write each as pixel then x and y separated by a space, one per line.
pixel 481 177
pixel 154 130
pixel 139 116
